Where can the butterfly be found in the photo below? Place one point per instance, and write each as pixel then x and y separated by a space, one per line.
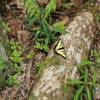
pixel 59 49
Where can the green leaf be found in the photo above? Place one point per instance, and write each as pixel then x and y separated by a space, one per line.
pixel 92 84
pixel 32 12
pixel 66 5
pixel 82 96
pixel 74 82
pixel 60 27
pixel 18 69
pixel 86 75
pixel 2 61
pixel 20 59
pixel 31 21
pixel 94 75
pixel 1 66
pixel 27 2
pixel 88 93
pixel 86 63
pixel 20 48
pixel 13 59
pixel 12 42
pixel 94 93
pixel 78 92
pixel 13 47
pixel 45 28
pixel 29 8
pixel 63 31
pixel 50 7
pixel 28 56
pixel 16 53
pixel 36 28
pixel 96 54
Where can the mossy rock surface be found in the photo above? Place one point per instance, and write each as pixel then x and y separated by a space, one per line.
pixel 5 51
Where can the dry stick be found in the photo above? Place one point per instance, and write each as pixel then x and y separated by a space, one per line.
pixel 28 73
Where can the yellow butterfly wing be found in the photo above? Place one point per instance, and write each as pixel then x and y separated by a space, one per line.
pixel 59 49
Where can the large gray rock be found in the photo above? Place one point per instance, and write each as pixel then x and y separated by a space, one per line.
pixel 58 70
pixel 4 55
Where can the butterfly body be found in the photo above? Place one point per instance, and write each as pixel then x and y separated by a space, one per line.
pixel 59 49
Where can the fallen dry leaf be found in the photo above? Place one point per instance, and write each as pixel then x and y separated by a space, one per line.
pixel 15 25
pixel 13 92
pixel 19 4
pixel 77 2
pixel 65 19
pixel 23 36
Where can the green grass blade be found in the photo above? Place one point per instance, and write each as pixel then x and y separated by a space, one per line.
pixel 82 96
pixel 78 92
pixel 74 82
pixel 88 93
pixel 86 63
pixel 94 75
pixel 86 75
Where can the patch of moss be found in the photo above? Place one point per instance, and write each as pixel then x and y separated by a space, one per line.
pixel 31 97
pixel 50 61
pixel 68 91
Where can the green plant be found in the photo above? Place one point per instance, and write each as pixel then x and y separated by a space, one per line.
pixel 31 53
pixel 41 47
pixel 16 58
pixel 5 25
pixel 17 52
pixel 50 8
pixel 86 84
pixel 2 62
pixel 66 5
pixel 44 33
pixel 12 79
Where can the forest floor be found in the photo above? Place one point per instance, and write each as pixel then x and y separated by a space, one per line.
pixel 15 16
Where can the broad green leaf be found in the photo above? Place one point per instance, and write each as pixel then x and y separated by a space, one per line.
pixel 60 30
pixel 60 27
pixel 12 42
